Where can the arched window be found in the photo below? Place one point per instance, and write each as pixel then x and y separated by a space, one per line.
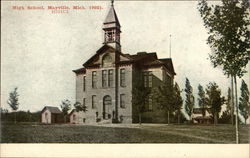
pixel 107 60
pixel 107 101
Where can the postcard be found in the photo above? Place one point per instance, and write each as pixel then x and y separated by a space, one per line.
pixel 124 79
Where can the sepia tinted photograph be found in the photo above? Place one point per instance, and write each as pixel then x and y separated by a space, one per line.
pixel 105 72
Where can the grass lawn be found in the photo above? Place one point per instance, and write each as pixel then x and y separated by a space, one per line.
pixel 146 133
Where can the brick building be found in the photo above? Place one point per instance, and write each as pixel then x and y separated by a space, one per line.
pixel 105 82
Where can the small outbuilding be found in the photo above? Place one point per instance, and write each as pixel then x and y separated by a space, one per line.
pixel 51 114
pixel 78 117
pixel 202 116
pixel 72 117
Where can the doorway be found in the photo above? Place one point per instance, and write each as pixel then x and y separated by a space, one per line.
pixel 106 107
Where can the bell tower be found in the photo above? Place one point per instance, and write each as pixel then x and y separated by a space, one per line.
pixel 111 27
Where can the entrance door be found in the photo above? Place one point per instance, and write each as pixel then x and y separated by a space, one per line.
pixel 106 107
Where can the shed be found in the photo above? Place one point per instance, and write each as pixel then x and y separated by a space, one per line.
pixel 51 115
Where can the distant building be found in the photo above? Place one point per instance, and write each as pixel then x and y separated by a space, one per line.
pixel 202 116
pixel 51 115
pixel 105 81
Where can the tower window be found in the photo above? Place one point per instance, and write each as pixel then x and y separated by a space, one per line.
pixel 110 36
pixel 94 79
pixel 122 78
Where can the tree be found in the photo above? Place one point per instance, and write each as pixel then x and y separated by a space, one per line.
pixel 79 107
pixel 166 98
pixel 65 106
pixel 244 104
pixel 140 93
pixel 189 102
pixel 178 101
pixel 202 99
pixel 225 117
pixel 214 100
pixel 229 39
pixel 3 111
pixel 13 101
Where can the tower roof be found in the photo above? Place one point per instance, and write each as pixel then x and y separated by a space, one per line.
pixel 111 19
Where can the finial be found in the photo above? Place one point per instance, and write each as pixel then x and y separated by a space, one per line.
pixel 112 2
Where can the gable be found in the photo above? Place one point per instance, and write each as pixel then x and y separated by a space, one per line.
pixel 45 110
pixel 104 55
pixel 51 109
pixel 96 59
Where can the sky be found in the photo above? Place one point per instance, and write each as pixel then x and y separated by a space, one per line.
pixel 39 49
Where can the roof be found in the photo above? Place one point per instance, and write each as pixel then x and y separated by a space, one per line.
pixel 52 109
pixel 142 59
pixel 142 55
pixel 151 60
pixel 111 18
pixel 199 110
pixel 81 70
pixel 168 63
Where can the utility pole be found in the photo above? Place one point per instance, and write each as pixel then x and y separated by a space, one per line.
pixel 236 109
pixel 170 46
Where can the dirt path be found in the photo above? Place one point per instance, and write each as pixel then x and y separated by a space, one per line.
pixel 206 139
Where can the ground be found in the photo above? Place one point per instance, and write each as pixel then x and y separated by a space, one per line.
pixel 117 133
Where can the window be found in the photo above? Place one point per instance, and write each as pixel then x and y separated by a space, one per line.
pixel 93 101
pixel 122 100
pixel 110 78
pixel 94 79
pixel 107 60
pixel 122 77
pixel 110 36
pixel 84 83
pixel 148 78
pixel 169 80
pixel 150 103
pixel 83 101
pixel 104 78
pixel 145 79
